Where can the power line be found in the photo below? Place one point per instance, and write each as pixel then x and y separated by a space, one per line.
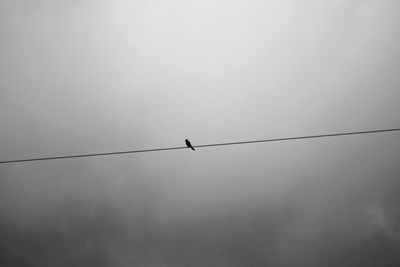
pixel 206 145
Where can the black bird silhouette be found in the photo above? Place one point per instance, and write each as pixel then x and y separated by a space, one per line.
pixel 188 144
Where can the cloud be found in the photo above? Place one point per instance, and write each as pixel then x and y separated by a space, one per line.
pixel 97 76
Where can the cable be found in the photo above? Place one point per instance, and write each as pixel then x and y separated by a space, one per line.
pixel 206 145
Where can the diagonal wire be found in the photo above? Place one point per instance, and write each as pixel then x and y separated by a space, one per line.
pixel 206 145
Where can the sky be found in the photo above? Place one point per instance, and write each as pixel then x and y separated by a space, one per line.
pixel 97 76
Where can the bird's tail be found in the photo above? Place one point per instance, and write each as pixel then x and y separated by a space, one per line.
pixel 192 148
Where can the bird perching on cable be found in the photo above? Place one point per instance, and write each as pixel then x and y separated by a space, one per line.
pixel 189 145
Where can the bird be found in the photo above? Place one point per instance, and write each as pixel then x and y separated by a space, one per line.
pixel 189 145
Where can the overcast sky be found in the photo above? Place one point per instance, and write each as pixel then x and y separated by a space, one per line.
pixel 96 76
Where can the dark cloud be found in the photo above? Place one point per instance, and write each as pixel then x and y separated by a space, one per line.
pixel 342 227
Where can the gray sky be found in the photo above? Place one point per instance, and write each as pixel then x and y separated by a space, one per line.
pixel 96 76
